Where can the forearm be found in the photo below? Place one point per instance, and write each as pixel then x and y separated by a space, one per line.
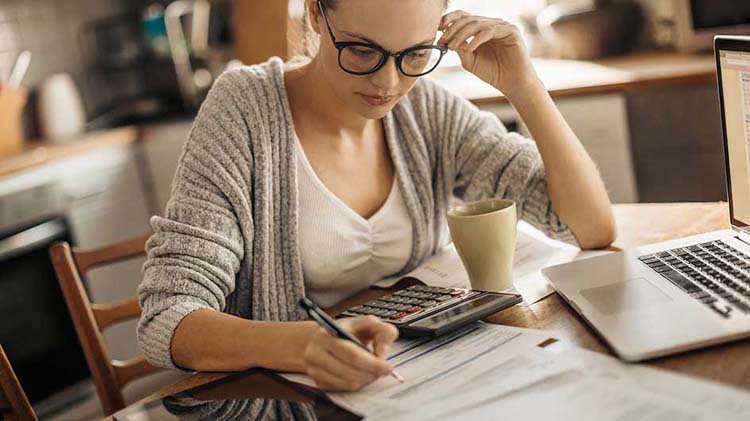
pixel 572 177
pixel 208 340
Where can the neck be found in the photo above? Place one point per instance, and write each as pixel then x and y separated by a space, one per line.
pixel 313 100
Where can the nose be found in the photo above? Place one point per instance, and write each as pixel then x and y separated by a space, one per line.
pixel 388 77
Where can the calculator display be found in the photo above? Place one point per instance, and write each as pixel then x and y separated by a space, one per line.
pixel 446 316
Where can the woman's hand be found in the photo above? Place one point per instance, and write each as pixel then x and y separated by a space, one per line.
pixel 340 365
pixel 496 54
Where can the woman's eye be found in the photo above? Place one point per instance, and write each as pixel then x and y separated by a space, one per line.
pixel 416 55
pixel 363 52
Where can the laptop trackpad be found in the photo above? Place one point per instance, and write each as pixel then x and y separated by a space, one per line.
pixel 624 296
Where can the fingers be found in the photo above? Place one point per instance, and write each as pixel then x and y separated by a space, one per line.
pixel 464 28
pixel 480 38
pixel 458 27
pixel 467 31
pixel 359 359
pixel 451 17
pixel 333 373
pixel 333 383
pixel 338 364
pixel 371 330
pixel 455 26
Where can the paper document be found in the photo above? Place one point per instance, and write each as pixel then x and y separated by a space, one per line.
pixel 580 385
pixel 435 369
pixel 534 251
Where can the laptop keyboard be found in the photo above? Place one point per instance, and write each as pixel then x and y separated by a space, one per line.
pixel 714 273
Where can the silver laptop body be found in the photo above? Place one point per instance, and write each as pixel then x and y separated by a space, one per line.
pixel 684 294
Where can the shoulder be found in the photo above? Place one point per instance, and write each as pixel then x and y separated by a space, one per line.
pixel 247 87
pixel 239 103
pixel 432 94
pixel 435 106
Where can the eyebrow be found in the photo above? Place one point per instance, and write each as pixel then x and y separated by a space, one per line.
pixel 364 38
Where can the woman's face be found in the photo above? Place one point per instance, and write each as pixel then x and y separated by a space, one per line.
pixel 394 25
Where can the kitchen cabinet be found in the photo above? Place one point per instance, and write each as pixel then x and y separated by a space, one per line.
pixel 106 203
pixel 678 144
pixel 601 123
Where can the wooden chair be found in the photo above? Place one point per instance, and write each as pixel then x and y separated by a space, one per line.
pixel 14 405
pixel 90 320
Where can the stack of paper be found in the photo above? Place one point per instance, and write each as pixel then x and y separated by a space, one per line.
pixel 498 372
pixel 533 252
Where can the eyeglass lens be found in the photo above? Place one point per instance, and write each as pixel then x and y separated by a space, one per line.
pixel 362 60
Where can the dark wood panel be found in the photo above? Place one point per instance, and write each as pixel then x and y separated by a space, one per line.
pixel 677 147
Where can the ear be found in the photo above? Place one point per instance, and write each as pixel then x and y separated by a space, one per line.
pixel 314 15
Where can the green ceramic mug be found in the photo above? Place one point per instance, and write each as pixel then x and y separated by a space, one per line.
pixel 484 233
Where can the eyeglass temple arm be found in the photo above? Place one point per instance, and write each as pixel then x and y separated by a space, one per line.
pixel 325 18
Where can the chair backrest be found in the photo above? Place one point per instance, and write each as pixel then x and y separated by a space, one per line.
pixel 90 320
pixel 14 405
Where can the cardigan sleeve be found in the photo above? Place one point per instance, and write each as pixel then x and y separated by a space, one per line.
pixel 196 249
pixel 487 161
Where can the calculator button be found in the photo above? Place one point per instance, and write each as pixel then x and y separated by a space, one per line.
pixel 398 315
pixel 358 309
pixel 414 309
pixel 381 304
pixel 374 311
pixel 443 297
pixel 429 303
pixel 457 293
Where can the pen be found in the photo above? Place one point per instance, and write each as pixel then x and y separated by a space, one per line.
pixel 323 319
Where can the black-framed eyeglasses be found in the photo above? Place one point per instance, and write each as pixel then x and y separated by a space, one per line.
pixel 360 58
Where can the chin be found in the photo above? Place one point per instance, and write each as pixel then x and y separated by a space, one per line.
pixel 376 114
pixel 373 112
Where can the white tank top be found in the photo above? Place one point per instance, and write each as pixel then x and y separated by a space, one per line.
pixel 342 252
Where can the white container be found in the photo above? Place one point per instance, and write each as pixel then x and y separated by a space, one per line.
pixel 61 113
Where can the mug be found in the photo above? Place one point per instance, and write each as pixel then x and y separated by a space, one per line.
pixel 61 113
pixel 484 234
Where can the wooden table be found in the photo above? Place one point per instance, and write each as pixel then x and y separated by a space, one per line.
pixel 638 224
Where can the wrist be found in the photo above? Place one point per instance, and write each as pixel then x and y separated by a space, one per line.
pixel 286 352
pixel 306 333
pixel 530 87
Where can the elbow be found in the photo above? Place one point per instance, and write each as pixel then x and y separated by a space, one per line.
pixel 598 236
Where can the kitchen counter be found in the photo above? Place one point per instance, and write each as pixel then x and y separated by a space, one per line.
pixel 37 153
pixel 563 78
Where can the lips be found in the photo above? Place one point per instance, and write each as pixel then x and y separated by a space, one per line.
pixel 377 100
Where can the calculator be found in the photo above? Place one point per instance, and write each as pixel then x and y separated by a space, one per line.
pixel 423 310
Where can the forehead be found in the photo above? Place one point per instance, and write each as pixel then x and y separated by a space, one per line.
pixel 393 24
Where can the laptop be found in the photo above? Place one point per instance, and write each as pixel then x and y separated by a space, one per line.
pixel 684 294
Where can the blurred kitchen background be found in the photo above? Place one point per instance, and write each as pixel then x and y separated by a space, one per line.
pixel 90 138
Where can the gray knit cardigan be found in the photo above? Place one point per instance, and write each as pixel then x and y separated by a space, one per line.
pixel 228 240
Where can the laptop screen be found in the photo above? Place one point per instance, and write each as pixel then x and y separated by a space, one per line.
pixel 735 81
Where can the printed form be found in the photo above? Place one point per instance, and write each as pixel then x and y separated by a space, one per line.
pixel 576 385
pixel 490 372
pixel 436 368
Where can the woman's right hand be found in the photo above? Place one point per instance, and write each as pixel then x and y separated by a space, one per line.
pixel 338 365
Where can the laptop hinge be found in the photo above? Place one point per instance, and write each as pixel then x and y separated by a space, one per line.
pixel 739 237
pixel 742 235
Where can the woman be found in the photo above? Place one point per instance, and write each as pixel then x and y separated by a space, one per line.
pixel 324 178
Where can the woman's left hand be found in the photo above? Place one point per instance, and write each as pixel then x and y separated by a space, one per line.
pixel 497 53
